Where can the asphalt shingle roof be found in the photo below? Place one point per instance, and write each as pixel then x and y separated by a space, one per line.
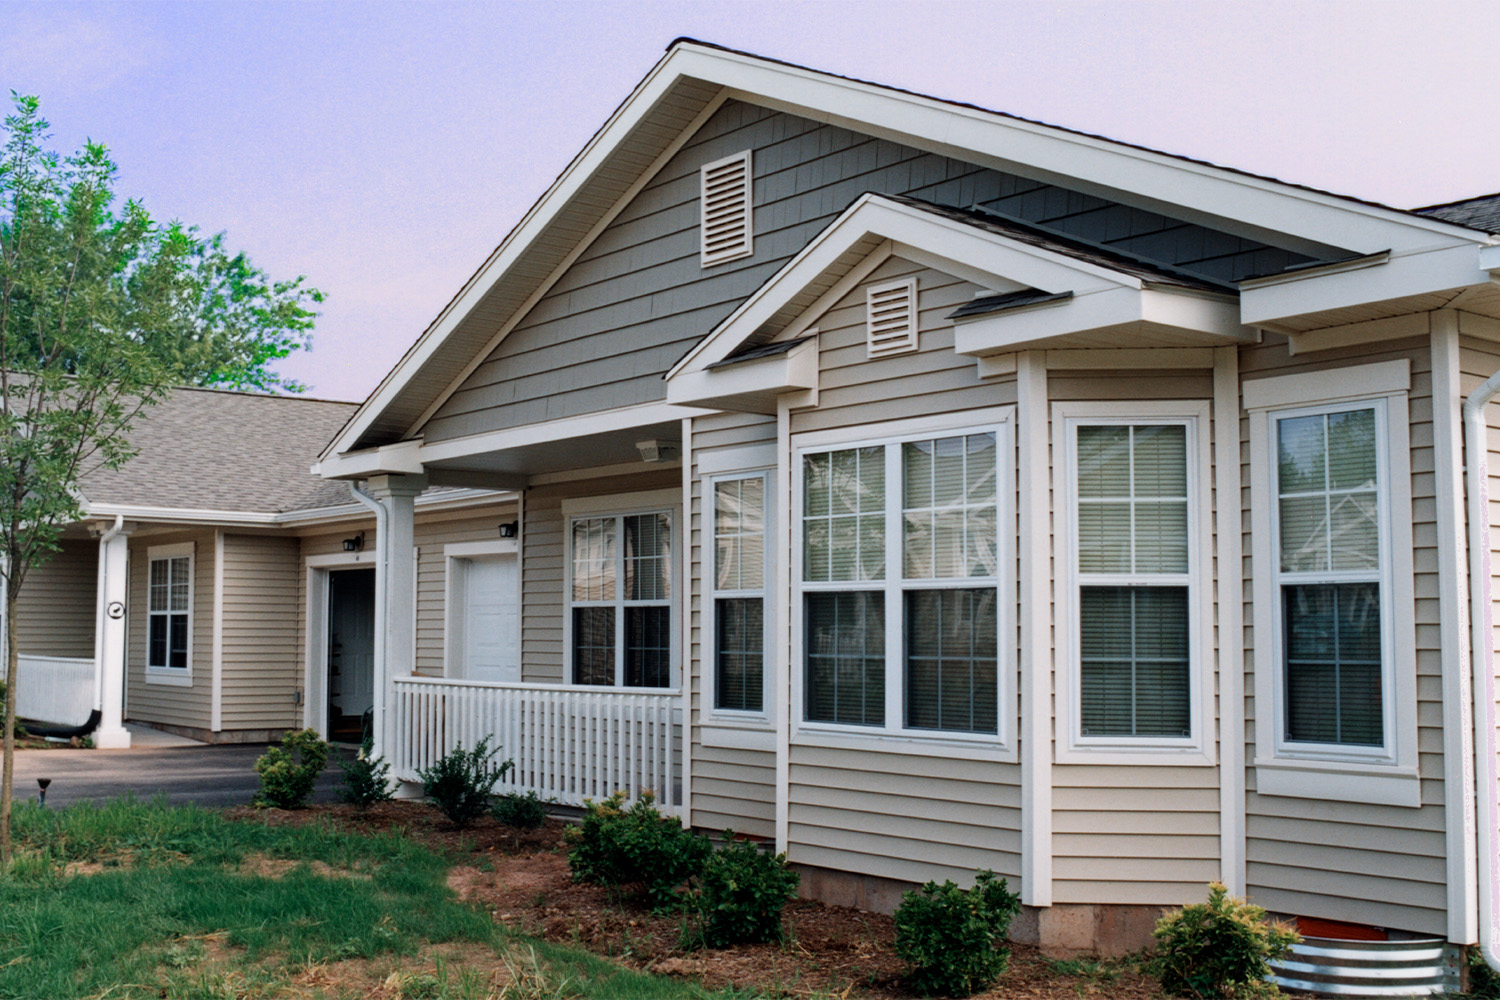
pixel 1482 213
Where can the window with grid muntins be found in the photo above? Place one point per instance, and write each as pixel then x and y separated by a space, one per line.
pixel 738 586
pixel 891 318
pixel 726 218
pixel 168 612
pixel 620 597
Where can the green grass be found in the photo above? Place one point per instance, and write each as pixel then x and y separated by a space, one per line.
pixel 168 885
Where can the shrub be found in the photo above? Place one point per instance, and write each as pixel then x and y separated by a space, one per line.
pixel 460 783
pixel 635 846
pixel 951 937
pixel 1222 948
pixel 743 891
pixel 288 772
pixel 527 812
pixel 366 778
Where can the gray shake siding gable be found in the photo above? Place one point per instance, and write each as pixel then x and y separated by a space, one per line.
pixel 637 299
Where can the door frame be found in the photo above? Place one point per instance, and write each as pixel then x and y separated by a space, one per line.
pixel 455 555
pixel 315 675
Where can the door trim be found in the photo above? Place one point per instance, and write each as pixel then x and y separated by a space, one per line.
pixel 315 654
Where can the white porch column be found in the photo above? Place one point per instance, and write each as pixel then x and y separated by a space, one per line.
pixel 109 641
pixel 395 594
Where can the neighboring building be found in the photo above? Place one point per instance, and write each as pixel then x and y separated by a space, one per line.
pixel 927 490
pixel 242 585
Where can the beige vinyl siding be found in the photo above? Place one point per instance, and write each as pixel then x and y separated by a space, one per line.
pixel 733 788
pixel 57 604
pixel 165 703
pixel 432 533
pixel 1350 861
pixel 542 571
pixel 261 656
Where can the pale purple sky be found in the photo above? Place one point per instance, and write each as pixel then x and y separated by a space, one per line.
pixel 384 149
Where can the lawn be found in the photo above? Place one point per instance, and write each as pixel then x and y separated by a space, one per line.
pixel 135 900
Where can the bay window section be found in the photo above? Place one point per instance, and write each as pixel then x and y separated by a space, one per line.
pixel 738 593
pixel 620 594
pixel 900 585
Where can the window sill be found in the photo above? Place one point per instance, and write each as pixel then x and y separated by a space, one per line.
pixel 744 736
pixel 170 676
pixel 1372 784
pixel 936 745
pixel 1146 755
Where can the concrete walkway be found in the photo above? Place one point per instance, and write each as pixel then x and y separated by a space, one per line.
pixel 146 738
pixel 196 773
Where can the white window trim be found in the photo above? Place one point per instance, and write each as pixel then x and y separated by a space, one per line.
pixel 892 737
pixel 172 676
pixel 1071 746
pixel 668 501
pixel 1385 775
pixel 708 637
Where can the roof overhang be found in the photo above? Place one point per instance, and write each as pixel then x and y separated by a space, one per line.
pixel 456 499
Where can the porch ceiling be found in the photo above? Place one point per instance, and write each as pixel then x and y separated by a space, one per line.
pixel 604 446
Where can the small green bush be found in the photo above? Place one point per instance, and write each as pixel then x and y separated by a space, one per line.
pixel 460 783
pixel 1221 948
pixel 951 937
pixel 525 812
pixel 367 778
pixel 635 847
pixel 742 893
pixel 288 772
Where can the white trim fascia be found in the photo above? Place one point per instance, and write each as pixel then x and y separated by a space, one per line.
pixel 332 559
pixel 1401 787
pixel 402 458
pixel 1131 359
pixel 1458 720
pixel 1371 331
pixel 685 588
pixel 1381 378
pixel 741 458
pixel 470 550
pixel 186 515
pixel 561 429
pixel 447 500
pixel 623 503
pixel 216 702
pixel 600 472
pixel 1231 606
pixel 741 383
pixel 1070 747
pixel 1418 271
pixel 1034 510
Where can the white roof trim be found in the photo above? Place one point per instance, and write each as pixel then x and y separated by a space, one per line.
pixel 447 500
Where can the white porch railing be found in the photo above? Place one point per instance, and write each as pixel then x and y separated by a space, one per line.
pixel 56 689
pixel 568 743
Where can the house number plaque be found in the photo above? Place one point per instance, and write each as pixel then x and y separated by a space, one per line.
pixel 115 610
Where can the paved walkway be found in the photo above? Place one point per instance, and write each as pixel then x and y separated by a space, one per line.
pixel 200 773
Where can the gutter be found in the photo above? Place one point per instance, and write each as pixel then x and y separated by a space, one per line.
pixel 1476 472
pixel 382 598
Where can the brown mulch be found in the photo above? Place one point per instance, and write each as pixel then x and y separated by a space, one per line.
pixel 522 879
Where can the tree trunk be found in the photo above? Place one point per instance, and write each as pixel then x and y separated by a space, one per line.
pixel 8 772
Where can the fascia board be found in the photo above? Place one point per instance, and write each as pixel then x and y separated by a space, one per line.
pixel 1217 317
pixel 1003 332
pixel 1489 259
pixel 563 429
pixel 796 369
pixel 1435 269
pixel 400 459
pixel 185 515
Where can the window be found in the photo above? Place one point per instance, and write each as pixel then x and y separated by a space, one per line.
pixel 169 614
pixel 1331 522
pixel 620 607
pixel 738 593
pixel 725 220
pixel 900 562
pixel 1133 658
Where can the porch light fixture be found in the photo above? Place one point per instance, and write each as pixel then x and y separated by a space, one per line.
pixel 355 544
pixel 657 451
pixel 508 529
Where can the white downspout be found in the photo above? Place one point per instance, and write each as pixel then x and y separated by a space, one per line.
pixel 382 593
pixel 1476 472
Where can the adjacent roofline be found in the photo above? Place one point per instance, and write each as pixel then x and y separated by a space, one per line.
pixel 446 500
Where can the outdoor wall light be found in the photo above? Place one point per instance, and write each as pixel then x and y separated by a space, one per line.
pixel 658 451
pixel 508 529
pixel 355 544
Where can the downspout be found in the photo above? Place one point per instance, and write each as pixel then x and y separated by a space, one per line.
pixel 382 594
pixel 1476 473
pixel 99 611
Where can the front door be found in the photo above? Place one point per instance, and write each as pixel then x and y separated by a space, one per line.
pixel 491 615
pixel 351 652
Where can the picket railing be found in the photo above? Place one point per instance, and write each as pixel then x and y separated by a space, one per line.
pixel 568 743
pixel 55 689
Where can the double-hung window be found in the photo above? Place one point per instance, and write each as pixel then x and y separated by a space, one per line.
pixel 620 607
pixel 900 566
pixel 738 592
pixel 1132 622
pixel 169 614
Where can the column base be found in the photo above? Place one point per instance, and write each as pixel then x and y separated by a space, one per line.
pixel 112 739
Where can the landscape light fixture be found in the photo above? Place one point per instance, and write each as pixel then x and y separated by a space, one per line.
pixel 41 797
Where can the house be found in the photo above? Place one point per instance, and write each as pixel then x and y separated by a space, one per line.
pixel 926 489
pixel 216 589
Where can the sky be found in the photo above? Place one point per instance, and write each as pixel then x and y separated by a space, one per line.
pixel 384 149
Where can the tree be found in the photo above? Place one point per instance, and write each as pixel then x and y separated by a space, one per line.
pixel 102 312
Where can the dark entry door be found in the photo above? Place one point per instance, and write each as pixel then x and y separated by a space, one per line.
pixel 351 652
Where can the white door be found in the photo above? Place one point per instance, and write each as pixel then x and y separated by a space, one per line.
pixel 491 620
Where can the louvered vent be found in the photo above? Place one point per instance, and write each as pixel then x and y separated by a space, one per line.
pixel 891 315
pixel 726 209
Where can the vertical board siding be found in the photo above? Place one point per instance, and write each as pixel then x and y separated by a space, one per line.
pixel 732 788
pixel 1348 860
pixel 163 703
pixel 261 674
pixel 56 606
pixel 638 298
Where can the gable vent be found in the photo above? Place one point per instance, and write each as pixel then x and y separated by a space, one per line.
pixel 891 315
pixel 726 209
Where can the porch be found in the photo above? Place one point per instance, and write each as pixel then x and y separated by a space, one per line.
pixel 569 742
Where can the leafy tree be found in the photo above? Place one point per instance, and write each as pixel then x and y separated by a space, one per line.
pixel 102 311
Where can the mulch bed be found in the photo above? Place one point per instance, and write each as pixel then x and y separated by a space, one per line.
pixel 522 878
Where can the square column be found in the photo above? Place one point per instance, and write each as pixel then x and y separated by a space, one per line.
pixel 395 593
pixel 109 642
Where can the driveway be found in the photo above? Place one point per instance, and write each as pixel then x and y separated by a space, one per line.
pixel 202 774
